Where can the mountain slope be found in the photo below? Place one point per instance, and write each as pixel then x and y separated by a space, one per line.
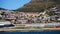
pixel 38 5
pixel 2 9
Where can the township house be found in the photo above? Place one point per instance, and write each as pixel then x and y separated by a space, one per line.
pixel 10 15
pixel 32 14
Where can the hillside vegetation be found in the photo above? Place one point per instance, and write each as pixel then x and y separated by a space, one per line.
pixel 38 5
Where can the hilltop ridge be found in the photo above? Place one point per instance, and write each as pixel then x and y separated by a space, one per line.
pixel 38 5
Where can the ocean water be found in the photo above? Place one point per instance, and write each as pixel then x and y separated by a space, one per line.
pixel 37 32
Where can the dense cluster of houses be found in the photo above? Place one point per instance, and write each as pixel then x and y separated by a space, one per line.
pixel 29 17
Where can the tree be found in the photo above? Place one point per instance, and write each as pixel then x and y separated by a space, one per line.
pixel 50 13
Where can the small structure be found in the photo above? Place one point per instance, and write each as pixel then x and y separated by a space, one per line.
pixel 5 23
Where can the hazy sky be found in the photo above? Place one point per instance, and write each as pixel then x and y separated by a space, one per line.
pixel 12 4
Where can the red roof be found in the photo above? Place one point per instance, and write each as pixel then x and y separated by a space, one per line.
pixel 57 26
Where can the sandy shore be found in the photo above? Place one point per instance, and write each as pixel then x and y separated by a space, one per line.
pixel 5 30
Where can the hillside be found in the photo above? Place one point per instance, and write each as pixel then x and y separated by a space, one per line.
pixel 2 9
pixel 38 5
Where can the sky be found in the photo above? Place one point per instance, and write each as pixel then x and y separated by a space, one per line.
pixel 13 4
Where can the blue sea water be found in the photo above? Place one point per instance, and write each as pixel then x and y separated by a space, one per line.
pixel 37 32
